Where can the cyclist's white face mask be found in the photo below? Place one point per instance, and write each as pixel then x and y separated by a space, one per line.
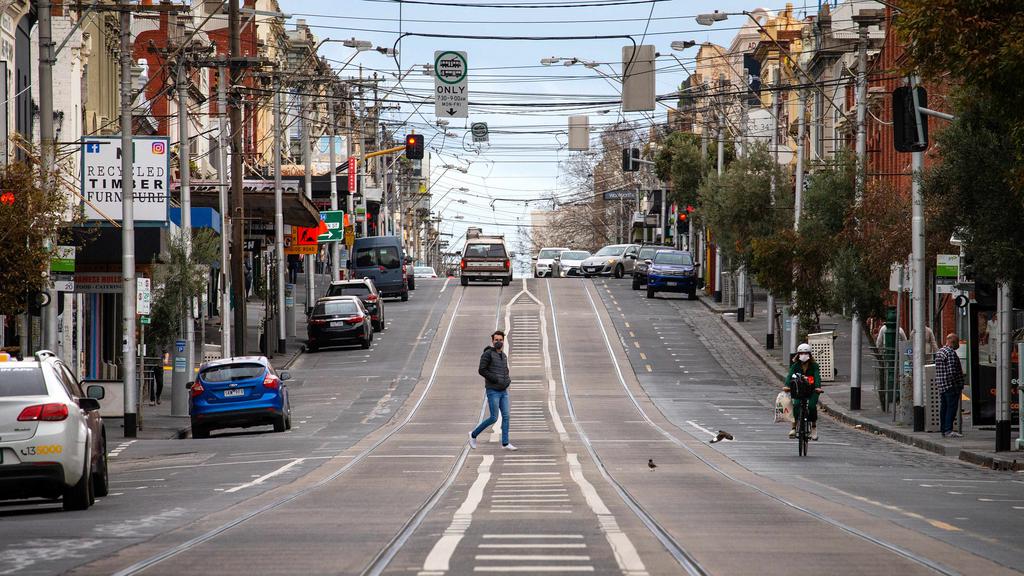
pixel 804 357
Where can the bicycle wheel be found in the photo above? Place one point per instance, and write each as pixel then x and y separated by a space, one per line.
pixel 802 437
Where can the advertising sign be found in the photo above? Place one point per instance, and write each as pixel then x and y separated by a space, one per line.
pixel 101 178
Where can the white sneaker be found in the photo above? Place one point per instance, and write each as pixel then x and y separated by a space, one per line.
pixel 472 442
pixel 510 447
pixel 792 432
pixel 814 432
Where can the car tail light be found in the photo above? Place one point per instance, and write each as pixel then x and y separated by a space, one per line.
pixel 462 264
pixel 197 389
pixel 371 298
pixel 271 381
pixel 508 264
pixel 381 268
pixel 44 412
pixel 316 322
pixel 354 320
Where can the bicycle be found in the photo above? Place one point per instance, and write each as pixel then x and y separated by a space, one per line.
pixel 800 390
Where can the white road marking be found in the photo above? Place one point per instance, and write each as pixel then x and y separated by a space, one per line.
pixel 567 546
pixel 537 568
pixel 441 554
pixel 266 477
pixel 446 281
pixel 236 463
pixel 530 511
pixel 625 553
pixel 701 428
pixel 532 557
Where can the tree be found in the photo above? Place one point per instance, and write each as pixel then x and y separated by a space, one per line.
pixel 29 216
pixel 680 162
pixel 178 278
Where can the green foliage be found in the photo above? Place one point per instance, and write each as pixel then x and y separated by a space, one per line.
pixel 741 208
pixel 975 189
pixel 680 163
pixel 178 278
pixel 29 216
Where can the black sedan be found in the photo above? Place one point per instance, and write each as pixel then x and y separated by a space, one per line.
pixel 366 291
pixel 338 320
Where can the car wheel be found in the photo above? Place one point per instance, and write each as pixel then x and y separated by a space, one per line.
pixel 365 343
pixel 280 423
pixel 412 283
pixel 312 348
pixel 288 420
pixel 80 496
pixel 636 282
pixel 101 477
pixel 650 293
pixel 619 272
pixel 465 281
pixel 405 296
pixel 200 431
pixel 692 294
pixel 376 325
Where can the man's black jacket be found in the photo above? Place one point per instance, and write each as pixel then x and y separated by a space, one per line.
pixel 494 369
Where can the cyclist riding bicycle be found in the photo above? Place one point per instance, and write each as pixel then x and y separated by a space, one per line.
pixel 805 366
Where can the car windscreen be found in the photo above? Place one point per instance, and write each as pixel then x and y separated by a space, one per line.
pixel 22 381
pixel 359 289
pixel 386 256
pixel 482 250
pixel 673 259
pixel 548 254
pixel 233 372
pixel 336 308
pixel 610 251
pixel 648 252
pixel 581 255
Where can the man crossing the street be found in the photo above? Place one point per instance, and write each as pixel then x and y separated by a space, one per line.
pixel 949 382
pixel 494 369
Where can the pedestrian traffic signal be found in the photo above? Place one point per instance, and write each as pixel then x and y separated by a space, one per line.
pixel 630 159
pixel 905 119
pixel 414 147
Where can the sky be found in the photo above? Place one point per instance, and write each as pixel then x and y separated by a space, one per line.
pixel 524 159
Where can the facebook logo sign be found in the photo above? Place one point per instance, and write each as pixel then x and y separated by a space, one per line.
pixel 92 147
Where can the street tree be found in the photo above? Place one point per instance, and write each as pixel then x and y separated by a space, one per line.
pixel 679 161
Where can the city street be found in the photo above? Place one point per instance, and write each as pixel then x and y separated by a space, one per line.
pixel 376 475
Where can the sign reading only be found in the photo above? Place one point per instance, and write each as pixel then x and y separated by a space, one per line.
pixel 451 86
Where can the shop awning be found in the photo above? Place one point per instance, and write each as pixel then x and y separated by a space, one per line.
pixel 259 201
pixel 201 218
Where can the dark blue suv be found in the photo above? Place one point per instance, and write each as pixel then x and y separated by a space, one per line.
pixel 672 271
pixel 239 393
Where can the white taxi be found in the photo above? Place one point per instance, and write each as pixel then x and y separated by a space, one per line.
pixel 52 441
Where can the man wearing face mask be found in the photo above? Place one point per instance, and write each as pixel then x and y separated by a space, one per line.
pixel 805 366
pixel 949 381
pixel 494 369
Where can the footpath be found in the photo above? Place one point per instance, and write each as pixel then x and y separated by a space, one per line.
pixel 157 423
pixel 976 446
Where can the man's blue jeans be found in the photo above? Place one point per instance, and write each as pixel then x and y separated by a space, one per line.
pixel 949 404
pixel 496 400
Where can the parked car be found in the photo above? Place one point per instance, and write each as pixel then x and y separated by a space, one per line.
pixel 239 392
pixel 381 259
pixel 672 271
pixel 485 258
pixel 366 291
pixel 647 252
pixel 546 264
pixel 338 320
pixel 614 260
pixel 424 272
pixel 570 262
pixel 52 440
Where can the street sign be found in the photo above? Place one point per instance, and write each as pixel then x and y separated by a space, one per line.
pixel 301 249
pixel 947 269
pixel 333 222
pixel 62 269
pixel 143 298
pixel 479 130
pixel 451 86
pixel 179 345
pixel 353 167
pixel 145 320
pixel 620 195
pixel 306 236
pixel 350 237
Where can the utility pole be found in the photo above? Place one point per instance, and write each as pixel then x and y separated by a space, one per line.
pixel 776 115
pixel 862 93
pixel 333 124
pixel 797 209
pixel 46 152
pixel 307 159
pixel 131 386
pixel 179 395
pixel 237 200
pixel 225 220
pixel 282 327
pixel 1004 307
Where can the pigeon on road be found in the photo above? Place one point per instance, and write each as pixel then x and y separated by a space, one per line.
pixel 722 435
pixel 651 464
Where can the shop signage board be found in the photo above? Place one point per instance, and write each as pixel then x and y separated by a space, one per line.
pixel 451 85
pixel 101 178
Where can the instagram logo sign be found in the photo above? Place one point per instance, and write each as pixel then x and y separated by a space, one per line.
pixel 159 147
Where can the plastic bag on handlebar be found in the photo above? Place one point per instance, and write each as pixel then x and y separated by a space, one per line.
pixel 783 408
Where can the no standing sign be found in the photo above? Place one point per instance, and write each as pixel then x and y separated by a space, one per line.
pixel 451 86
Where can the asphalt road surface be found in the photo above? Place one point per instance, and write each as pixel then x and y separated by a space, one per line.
pixel 377 477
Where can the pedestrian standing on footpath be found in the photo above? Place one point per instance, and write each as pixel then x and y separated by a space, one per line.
pixel 949 381
pixel 494 369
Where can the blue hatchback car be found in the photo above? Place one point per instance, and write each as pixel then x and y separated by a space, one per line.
pixel 239 393
pixel 672 271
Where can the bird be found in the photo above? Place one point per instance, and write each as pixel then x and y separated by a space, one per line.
pixel 651 464
pixel 722 435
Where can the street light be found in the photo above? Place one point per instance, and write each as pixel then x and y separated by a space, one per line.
pixel 454 167
pixel 711 18
pixel 680 45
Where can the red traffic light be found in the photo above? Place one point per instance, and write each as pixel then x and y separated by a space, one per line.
pixel 410 140
pixel 682 216
pixel 414 146
pixel 7 198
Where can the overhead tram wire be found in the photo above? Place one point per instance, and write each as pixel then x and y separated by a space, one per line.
pixel 523 5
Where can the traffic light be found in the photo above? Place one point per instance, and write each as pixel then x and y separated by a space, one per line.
pixel 683 224
pixel 414 147
pixel 905 121
pixel 630 159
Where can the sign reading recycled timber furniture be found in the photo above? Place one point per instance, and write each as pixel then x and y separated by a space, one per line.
pixel 101 178
pixel 333 223
pixel 451 86
pixel 947 268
